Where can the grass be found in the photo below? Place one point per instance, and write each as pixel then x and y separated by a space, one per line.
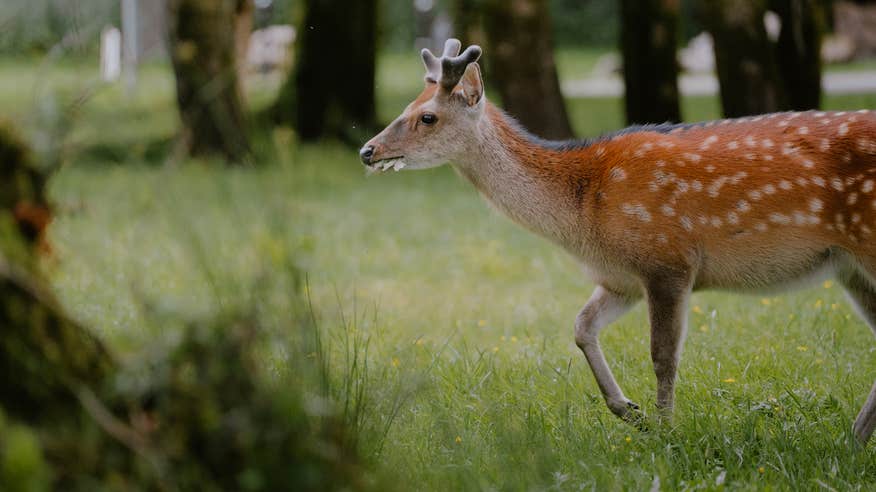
pixel 460 322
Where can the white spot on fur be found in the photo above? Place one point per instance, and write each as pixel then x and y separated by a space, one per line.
pixel 769 189
pixel 686 223
pixel 743 206
pixel 618 174
pixel 733 145
pixel 767 143
pixel 867 187
pixel 843 129
pixel 867 145
pixel 802 181
pixel 696 185
pixel 785 184
pixel 818 181
pixel 638 210
pixel 732 218
pixel 692 157
pixel 803 130
pixel 760 226
pixel 755 195
pixel 749 141
pixel 662 238
pixel 778 218
pixel 807 163
pixel 852 198
pixel 856 217
pixel 708 142
pixel 815 204
pixel 667 210
pixel 825 145
pixel 717 222
pixel 837 184
pixel 710 168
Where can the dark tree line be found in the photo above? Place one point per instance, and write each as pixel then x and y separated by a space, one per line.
pixel 331 91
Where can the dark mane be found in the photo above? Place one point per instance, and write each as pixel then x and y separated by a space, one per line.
pixel 575 144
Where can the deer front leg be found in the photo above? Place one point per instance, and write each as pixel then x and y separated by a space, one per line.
pixel 667 310
pixel 603 307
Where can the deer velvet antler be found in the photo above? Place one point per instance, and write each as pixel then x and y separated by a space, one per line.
pixel 448 70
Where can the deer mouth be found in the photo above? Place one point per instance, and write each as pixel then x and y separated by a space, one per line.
pixel 383 165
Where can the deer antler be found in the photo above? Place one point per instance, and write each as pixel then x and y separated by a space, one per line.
pixel 448 69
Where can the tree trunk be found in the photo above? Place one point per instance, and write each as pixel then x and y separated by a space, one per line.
pixel 798 52
pixel 521 65
pixel 467 22
pixel 43 354
pixel 648 44
pixel 202 48
pixel 331 90
pixel 744 57
pixel 243 22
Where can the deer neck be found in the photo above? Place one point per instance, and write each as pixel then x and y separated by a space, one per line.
pixel 537 186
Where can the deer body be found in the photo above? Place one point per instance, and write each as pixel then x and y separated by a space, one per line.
pixel 654 213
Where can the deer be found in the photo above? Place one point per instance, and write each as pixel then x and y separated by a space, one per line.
pixel 655 212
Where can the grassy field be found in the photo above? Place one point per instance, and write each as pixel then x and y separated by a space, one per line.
pixel 460 323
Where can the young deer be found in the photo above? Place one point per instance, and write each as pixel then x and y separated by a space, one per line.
pixel 656 212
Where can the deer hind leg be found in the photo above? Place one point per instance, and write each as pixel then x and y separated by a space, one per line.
pixel 667 309
pixel 860 289
pixel 603 307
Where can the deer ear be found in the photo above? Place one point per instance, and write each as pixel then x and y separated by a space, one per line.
pixel 471 86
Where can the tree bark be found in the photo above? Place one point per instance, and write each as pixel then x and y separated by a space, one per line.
pixel 331 90
pixel 521 65
pixel 648 43
pixel 744 57
pixel 798 52
pixel 203 52
pixel 467 22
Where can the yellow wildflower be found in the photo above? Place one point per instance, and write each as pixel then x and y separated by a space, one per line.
pixel 482 323
pixel 802 348
pixel 728 380
pixel 458 439
pixel 697 310
pixel 834 306
pixel 502 338
pixel 628 439
pixel 761 469
pixel 818 304
pixel 495 349
pixel 765 301
pixel 827 284
pixel 419 342
pixel 704 328
pixel 514 339
pixel 395 362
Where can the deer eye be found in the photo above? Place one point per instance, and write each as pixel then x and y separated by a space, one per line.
pixel 428 118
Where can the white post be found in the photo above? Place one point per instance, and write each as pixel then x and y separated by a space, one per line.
pixel 130 35
pixel 110 54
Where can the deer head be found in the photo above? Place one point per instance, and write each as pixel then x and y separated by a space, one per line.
pixel 438 125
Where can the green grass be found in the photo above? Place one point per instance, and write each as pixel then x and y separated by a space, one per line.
pixel 462 313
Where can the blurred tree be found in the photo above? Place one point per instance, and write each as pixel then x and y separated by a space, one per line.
pixel 744 57
pixel 203 51
pixel 521 65
pixel 467 22
pixel 330 92
pixel 798 51
pixel 648 44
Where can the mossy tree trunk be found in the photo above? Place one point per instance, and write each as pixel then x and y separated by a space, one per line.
pixel 44 355
pixel 744 57
pixel 648 44
pixel 798 51
pixel 330 92
pixel 203 48
pixel 521 65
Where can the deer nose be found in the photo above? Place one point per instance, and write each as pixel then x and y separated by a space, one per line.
pixel 366 154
